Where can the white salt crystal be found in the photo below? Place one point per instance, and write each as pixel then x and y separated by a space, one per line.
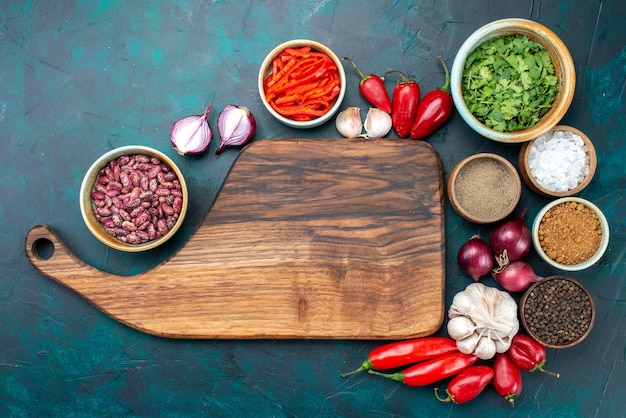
pixel 558 160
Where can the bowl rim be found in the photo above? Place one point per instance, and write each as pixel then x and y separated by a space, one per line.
pixel 528 291
pixel 604 242
pixel 86 201
pixel 531 181
pixel 535 30
pixel 452 180
pixel 265 66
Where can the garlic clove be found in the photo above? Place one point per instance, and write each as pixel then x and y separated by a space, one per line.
pixel 485 348
pixel 348 122
pixel 503 344
pixel 468 344
pixel 377 123
pixel 460 327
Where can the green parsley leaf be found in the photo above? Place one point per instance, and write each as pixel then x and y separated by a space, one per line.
pixel 509 83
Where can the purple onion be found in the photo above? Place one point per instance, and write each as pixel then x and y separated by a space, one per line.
pixel 236 127
pixel 192 134
pixel 475 257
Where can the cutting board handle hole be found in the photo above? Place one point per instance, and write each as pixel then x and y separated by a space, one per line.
pixel 43 249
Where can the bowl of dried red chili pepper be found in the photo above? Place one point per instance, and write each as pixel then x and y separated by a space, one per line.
pixel 302 83
pixel 512 80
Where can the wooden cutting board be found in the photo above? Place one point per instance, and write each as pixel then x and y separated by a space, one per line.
pixel 316 238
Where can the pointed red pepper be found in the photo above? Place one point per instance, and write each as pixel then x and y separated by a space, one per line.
pixel 528 354
pixel 372 87
pixel 403 353
pixel 467 385
pixel 404 101
pixel 434 109
pixel 507 378
pixel 431 371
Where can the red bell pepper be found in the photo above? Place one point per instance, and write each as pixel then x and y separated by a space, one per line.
pixel 528 355
pixel 404 101
pixel 434 109
pixel 468 384
pixel 303 84
pixel 403 353
pixel 433 370
pixel 372 88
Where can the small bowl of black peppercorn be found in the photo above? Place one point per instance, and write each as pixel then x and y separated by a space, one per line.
pixel 557 312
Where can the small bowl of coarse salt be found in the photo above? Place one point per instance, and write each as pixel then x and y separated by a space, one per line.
pixel 559 163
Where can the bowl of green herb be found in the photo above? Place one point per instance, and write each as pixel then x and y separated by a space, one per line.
pixel 512 80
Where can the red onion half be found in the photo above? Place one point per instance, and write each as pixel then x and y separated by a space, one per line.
pixel 475 257
pixel 236 127
pixel 192 134
pixel 511 240
pixel 516 276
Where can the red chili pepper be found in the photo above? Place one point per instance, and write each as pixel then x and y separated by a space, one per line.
pixel 468 384
pixel 528 355
pixel 372 87
pixel 403 353
pixel 406 96
pixel 434 109
pixel 433 370
pixel 507 378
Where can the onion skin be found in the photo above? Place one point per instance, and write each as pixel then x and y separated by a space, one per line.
pixel 516 276
pixel 511 240
pixel 475 257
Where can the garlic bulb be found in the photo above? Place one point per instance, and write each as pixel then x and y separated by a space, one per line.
pixel 492 315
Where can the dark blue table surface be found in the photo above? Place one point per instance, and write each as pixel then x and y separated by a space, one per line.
pixel 78 78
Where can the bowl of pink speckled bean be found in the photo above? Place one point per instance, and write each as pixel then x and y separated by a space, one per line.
pixel 133 198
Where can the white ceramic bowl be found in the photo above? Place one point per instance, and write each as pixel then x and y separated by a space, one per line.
pixel 604 241
pixel 266 68
pixel 87 202
pixel 561 59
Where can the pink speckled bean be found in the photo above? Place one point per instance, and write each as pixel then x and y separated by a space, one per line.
pixel 137 198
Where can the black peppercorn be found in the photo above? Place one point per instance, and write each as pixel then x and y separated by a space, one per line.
pixel 557 311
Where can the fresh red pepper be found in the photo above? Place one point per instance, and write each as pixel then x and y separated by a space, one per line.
pixel 507 378
pixel 434 109
pixel 403 353
pixel 433 370
pixel 372 88
pixel 468 384
pixel 528 355
pixel 406 96
pixel 303 84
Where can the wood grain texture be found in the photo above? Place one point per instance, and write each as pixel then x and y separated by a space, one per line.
pixel 316 238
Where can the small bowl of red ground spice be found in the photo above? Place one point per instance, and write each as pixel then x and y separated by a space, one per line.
pixel 570 233
pixel 133 198
pixel 557 311
pixel 484 188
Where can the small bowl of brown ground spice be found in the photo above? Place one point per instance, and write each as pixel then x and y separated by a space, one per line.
pixel 484 188
pixel 570 233
pixel 557 311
